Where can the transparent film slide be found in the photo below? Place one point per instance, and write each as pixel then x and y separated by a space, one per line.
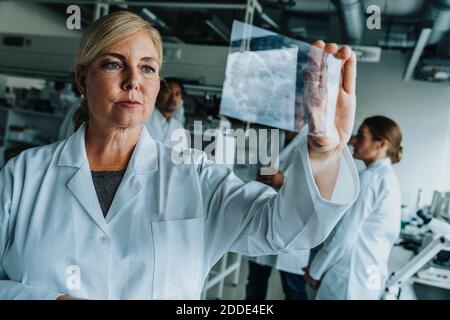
pixel 280 82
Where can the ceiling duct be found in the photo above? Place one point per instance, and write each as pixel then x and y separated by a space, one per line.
pixel 351 15
pixel 398 36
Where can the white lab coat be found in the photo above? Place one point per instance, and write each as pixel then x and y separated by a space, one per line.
pixel 353 261
pixel 167 226
pixel 161 129
pixel 179 114
pixel 289 262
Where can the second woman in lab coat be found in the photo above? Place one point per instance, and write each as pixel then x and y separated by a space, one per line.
pixel 353 262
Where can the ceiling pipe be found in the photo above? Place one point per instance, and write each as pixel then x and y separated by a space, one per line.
pixel 351 15
pixel 219 32
pixel 219 27
pixel 417 53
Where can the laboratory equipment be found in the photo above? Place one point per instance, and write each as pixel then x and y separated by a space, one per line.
pixel 440 242
pixel 435 204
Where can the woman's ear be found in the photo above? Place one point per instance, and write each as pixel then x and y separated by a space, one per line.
pixel 384 144
pixel 80 78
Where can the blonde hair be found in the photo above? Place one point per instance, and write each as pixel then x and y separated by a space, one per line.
pixel 102 34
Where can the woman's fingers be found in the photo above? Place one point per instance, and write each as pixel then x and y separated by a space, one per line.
pixel 319 44
pixel 349 68
pixel 349 77
pixel 348 57
pixel 343 53
pixel 331 48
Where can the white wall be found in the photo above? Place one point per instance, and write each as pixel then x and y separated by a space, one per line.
pixel 422 110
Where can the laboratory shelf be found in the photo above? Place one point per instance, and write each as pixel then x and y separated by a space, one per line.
pixel 36 113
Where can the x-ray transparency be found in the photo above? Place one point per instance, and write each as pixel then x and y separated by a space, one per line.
pixel 279 82
pixel 259 88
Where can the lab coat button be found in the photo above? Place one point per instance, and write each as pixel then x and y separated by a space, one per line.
pixel 104 239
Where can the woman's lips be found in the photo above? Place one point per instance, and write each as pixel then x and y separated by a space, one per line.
pixel 129 104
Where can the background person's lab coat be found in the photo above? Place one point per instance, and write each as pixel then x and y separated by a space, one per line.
pixel 161 129
pixel 179 114
pixel 167 226
pixel 289 262
pixel 66 129
pixel 353 261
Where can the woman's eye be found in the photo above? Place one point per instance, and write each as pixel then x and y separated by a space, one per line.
pixel 148 69
pixel 112 66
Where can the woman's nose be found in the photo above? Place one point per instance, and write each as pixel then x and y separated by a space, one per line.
pixel 132 81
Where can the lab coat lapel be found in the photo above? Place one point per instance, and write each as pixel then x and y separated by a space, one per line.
pixel 82 188
pixel 81 184
pixel 126 193
pixel 143 163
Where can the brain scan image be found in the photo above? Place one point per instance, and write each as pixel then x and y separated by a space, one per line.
pixel 279 82
pixel 260 87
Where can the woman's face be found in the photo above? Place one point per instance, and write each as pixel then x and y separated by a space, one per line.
pixel 365 148
pixel 122 83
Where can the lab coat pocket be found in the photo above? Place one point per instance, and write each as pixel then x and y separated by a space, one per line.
pixel 178 272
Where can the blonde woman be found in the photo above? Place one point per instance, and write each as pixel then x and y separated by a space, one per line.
pixel 107 214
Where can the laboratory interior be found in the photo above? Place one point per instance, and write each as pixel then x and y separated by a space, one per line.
pixel 236 77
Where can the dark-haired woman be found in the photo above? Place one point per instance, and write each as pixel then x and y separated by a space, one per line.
pixel 353 262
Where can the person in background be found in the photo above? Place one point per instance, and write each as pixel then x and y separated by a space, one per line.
pixel 163 122
pixel 353 262
pixel 289 265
